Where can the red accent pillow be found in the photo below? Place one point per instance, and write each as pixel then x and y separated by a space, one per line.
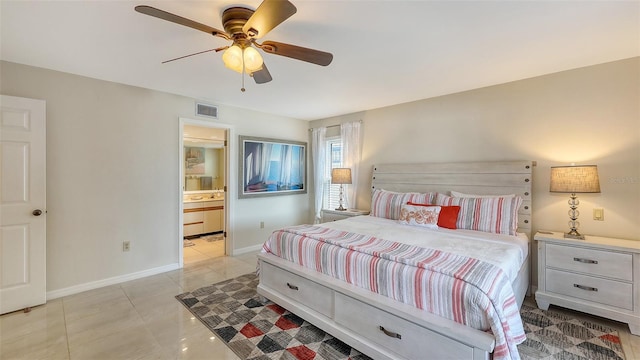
pixel 448 215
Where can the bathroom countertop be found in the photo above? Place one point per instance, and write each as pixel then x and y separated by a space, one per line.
pixel 186 201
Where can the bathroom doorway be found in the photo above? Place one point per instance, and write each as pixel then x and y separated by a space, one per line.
pixel 204 177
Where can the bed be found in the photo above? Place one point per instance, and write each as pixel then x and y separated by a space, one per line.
pixel 389 319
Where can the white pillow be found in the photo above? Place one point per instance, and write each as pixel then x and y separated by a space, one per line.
pixel 425 216
pixel 462 195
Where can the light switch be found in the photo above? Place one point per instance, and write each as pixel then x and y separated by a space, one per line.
pixel 598 214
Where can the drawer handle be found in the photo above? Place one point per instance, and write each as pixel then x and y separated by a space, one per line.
pixel 292 287
pixel 389 333
pixel 586 261
pixel 587 288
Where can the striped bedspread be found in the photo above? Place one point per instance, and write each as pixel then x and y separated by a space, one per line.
pixel 460 288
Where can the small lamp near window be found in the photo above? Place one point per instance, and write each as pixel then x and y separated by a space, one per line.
pixel 341 176
pixel 574 179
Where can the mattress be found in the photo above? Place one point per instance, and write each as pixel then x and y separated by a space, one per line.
pixel 464 276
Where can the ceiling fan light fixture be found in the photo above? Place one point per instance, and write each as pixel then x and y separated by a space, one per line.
pixel 252 60
pixel 234 56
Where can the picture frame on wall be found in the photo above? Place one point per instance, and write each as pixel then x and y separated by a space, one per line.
pixel 270 167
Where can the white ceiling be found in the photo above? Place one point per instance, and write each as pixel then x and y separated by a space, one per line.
pixel 385 52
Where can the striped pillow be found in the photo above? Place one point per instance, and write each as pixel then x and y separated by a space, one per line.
pixel 387 204
pixel 494 215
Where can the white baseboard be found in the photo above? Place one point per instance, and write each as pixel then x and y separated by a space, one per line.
pixel 247 249
pixel 54 294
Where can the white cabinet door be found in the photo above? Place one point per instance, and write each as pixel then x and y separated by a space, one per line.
pixel 213 216
pixel 22 203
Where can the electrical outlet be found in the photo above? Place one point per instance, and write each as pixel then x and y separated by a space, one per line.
pixel 126 246
pixel 261 224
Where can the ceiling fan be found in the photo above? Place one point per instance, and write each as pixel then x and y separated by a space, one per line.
pixel 244 27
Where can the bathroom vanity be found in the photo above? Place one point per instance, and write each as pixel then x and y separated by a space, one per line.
pixel 203 214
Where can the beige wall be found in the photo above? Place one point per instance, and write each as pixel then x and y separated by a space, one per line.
pixel 113 174
pixel 585 116
pixel 112 157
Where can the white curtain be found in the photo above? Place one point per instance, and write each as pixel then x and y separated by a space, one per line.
pixel 350 134
pixel 319 157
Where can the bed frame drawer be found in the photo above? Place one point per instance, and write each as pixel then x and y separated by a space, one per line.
pixel 313 295
pixel 403 337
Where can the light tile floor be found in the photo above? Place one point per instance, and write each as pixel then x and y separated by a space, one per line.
pixel 141 319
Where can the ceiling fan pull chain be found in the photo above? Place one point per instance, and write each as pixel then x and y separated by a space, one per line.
pixel 242 89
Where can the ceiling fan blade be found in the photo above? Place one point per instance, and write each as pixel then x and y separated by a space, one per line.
pixel 297 52
pixel 198 53
pixel 161 14
pixel 262 76
pixel 267 16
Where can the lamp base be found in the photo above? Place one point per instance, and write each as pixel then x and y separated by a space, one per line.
pixel 341 208
pixel 574 236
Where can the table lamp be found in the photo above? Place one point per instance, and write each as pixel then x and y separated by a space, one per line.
pixel 574 179
pixel 341 176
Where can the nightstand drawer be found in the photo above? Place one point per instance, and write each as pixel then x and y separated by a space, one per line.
pixel 594 262
pixel 327 217
pixel 335 215
pixel 603 291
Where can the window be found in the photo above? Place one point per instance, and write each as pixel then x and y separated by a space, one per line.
pixel 331 193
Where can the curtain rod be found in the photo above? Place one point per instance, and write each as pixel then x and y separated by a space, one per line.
pixel 332 126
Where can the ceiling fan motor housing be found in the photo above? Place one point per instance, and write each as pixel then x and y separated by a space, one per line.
pixel 233 19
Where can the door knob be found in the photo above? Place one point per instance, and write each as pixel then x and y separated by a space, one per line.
pixel 37 212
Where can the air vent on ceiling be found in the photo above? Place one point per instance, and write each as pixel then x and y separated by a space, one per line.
pixel 209 111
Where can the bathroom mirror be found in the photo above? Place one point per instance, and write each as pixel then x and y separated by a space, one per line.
pixel 203 166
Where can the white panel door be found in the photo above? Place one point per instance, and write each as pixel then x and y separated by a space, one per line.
pixel 22 203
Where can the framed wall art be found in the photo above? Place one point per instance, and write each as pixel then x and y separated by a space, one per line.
pixel 271 167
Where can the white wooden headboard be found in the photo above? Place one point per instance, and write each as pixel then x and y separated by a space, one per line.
pixel 485 178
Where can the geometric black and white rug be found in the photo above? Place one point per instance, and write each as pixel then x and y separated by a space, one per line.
pixel 552 334
pixel 254 330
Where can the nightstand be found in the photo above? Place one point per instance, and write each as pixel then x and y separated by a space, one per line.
pixel 334 215
pixel 597 275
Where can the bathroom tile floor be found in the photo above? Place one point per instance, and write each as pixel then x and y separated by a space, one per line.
pixel 141 319
pixel 202 249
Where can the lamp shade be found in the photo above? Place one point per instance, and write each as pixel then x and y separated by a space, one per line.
pixel 341 176
pixel 574 179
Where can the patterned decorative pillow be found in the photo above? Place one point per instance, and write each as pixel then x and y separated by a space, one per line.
pixel 448 215
pixel 425 216
pixel 495 215
pixel 387 204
